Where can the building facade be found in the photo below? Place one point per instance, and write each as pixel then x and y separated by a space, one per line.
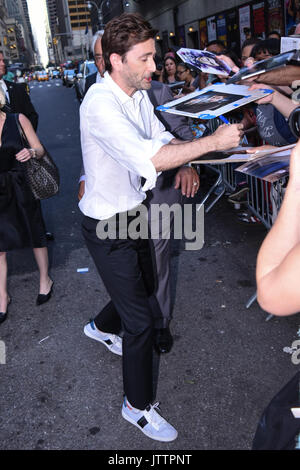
pixel 194 23
pixel 18 34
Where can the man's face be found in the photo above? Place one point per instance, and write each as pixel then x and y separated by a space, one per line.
pixel 246 52
pixel 137 67
pixel 215 99
pixel 215 49
pixel 2 66
pixel 98 55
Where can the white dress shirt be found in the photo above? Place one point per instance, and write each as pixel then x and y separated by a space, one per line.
pixel 4 88
pixel 99 79
pixel 119 136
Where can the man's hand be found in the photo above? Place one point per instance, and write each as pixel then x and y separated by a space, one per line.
pixel 229 62
pixel 81 189
pixel 266 99
pixel 188 179
pixel 227 136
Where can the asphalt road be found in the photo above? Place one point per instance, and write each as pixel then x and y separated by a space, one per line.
pixel 61 390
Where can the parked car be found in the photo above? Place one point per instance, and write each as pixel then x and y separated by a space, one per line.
pixel 69 76
pixel 86 68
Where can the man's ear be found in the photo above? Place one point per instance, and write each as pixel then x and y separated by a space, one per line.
pixel 116 61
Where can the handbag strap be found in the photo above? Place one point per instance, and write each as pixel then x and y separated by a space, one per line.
pixel 21 132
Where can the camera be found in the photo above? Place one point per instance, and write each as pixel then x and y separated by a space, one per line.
pixel 294 122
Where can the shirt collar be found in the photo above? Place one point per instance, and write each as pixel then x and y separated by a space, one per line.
pixel 2 83
pixel 135 99
pixel 99 78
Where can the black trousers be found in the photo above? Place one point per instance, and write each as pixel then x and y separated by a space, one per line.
pixel 126 269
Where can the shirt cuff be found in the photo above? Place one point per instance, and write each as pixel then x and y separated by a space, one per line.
pixel 82 178
pixel 150 177
pixel 163 139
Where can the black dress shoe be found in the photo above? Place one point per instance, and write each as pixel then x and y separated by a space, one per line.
pixel 49 236
pixel 43 298
pixel 163 340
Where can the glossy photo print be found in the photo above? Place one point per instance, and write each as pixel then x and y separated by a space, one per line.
pixel 213 101
pixel 207 102
pixel 280 60
pixel 270 168
pixel 205 61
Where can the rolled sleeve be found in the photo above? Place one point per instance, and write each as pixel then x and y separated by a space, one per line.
pixel 123 140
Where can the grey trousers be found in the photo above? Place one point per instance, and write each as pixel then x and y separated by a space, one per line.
pixel 163 193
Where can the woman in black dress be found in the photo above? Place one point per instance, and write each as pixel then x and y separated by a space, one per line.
pixel 21 220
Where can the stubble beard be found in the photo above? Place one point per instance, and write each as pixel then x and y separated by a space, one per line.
pixel 140 84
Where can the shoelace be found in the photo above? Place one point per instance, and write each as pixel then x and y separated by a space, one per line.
pixel 153 417
pixel 116 340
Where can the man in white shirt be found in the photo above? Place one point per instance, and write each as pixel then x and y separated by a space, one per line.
pixel 166 191
pixel 122 142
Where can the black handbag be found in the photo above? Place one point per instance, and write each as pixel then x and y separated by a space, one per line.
pixel 278 429
pixel 42 174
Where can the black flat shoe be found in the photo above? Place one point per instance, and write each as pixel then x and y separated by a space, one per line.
pixel 43 298
pixel 3 315
pixel 163 340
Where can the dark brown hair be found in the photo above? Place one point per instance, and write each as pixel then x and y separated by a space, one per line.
pixel 165 75
pixel 124 32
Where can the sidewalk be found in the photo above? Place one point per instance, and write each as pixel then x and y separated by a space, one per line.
pixel 64 391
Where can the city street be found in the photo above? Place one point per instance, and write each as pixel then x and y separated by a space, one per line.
pixel 62 390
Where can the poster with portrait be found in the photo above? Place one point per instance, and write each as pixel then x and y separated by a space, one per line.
pixel 213 101
pixel 203 34
pixel 205 61
pixel 211 29
pixel 233 37
pixel 259 24
pixel 221 28
pixel 180 35
pixel 292 15
pixel 245 23
pixel 275 16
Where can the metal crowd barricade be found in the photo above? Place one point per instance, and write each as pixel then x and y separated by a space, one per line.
pixel 225 181
pixel 264 199
pixel 226 178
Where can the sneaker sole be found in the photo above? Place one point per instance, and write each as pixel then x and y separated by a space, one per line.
pixel 237 202
pixel 235 198
pixel 144 431
pixel 87 333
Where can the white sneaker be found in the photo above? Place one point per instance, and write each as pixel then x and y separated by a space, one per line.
pixel 149 422
pixel 112 342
